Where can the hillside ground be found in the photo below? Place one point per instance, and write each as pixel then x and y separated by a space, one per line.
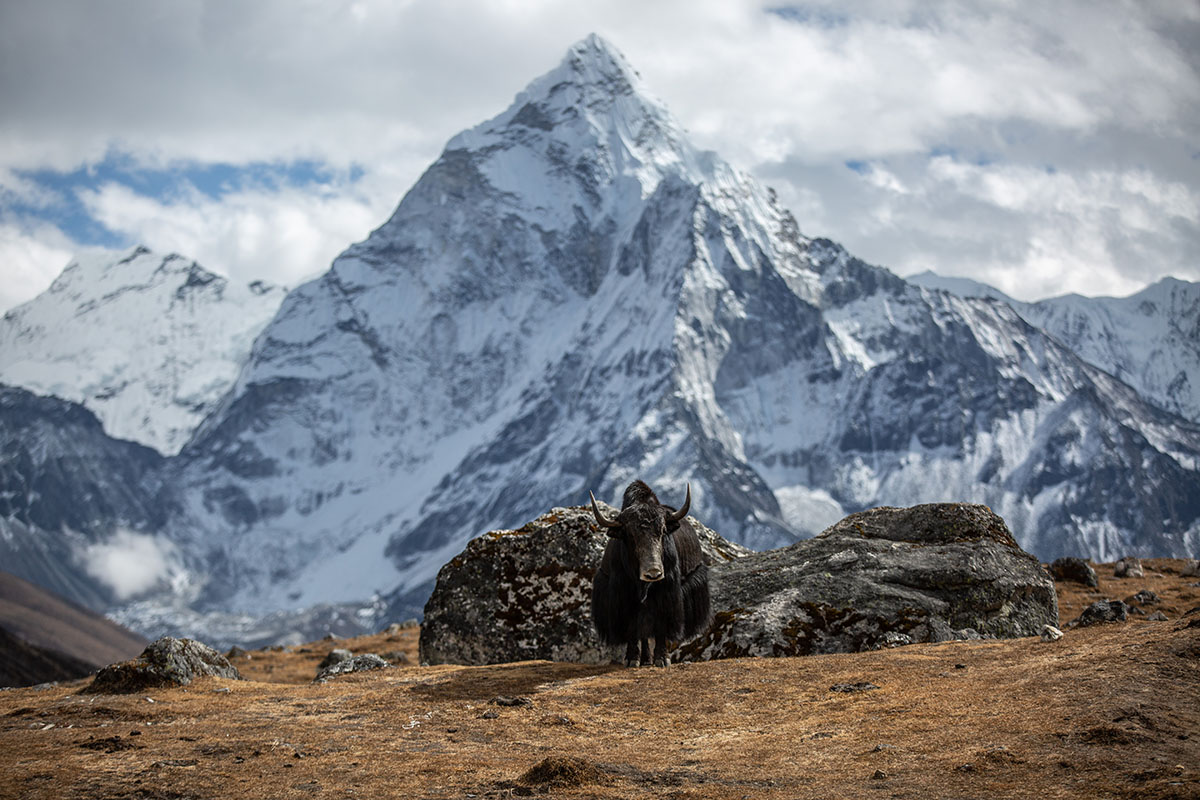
pixel 1108 711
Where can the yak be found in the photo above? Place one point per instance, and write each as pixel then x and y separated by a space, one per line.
pixel 652 580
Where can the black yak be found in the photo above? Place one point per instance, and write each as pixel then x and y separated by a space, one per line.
pixel 652 580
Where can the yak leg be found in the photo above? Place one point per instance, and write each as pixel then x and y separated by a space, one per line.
pixel 631 652
pixel 645 652
pixel 660 652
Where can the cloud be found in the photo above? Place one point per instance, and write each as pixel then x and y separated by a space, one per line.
pixel 283 235
pixel 30 256
pixel 790 94
pixel 130 563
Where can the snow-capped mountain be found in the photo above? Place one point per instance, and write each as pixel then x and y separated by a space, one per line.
pixel 149 343
pixel 1150 340
pixel 573 296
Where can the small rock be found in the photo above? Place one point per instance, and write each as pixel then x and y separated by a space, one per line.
pixel 359 663
pixel 1128 567
pixel 1191 569
pixel 896 639
pixel 502 700
pixel 335 655
pixel 557 719
pixel 237 652
pixel 489 715
pixel 861 686
pixel 396 657
pixel 1074 569
pixel 166 662
pixel 1157 616
pixel 1101 611
pixel 1051 633
pixel 879 748
pixel 1144 597
pixel 222 690
pixel 879 775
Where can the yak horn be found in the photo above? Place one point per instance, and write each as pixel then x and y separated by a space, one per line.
pixel 600 518
pixel 687 503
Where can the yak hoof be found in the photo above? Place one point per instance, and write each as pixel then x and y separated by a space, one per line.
pixel 661 661
pixel 631 662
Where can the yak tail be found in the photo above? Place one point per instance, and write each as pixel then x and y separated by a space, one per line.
pixel 697 606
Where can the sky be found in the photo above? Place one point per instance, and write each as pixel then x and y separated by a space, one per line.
pixel 1043 148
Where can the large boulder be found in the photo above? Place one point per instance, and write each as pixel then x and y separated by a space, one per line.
pixel 879 578
pixel 164 663
pixel 517 595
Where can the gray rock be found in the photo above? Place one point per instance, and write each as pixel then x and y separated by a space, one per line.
pixel 1101 611
pixel 164 663
pixel 359 663
pixel 1074 569
pixel 333 657
pixel 1191 569
pixel 1129 567
pixel 1051 633
pixel 517 595
pixel 930 573
pixel 880 578
pixel 1142 598
pixel 1157 616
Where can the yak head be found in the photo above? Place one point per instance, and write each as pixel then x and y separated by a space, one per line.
pixel 643 524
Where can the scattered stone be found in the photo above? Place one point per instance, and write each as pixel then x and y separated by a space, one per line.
pixel 175 762
pixel 110 745
pixel 861 686
pixel 335 655
pixel 1191 569
pixel 237 652
pixel 396 657
pixel 879 748
pixel 557 719
pixel 1074 569
pixel 222 690
pixel 503 700
pixel 1129 567
pixel 1051 633
pixel 1101 611
pixel 164 663
pixel 359 663
pixel 396 628
pixel 1143 597
pixel 1157 616
pixel 879 775
pixel 490 715
pixel 1136 611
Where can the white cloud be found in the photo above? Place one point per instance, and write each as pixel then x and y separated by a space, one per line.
pixel 1108 88
pixel 130 563
pixel 285 236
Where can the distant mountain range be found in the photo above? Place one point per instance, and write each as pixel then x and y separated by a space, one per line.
pixel 570 297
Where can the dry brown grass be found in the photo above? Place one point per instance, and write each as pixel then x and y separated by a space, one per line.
pixel 1109 711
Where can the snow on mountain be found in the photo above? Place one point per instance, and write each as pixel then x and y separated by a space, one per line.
pixel 1150 340
pixel 572 296
pixel 149 343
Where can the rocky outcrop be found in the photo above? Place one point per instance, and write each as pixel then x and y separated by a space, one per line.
pixel 344 666
pixel 166 662
pixel 515 595
pixel 879 578
pixel 1074 569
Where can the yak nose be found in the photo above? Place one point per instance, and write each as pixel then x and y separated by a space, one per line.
pixel 652 575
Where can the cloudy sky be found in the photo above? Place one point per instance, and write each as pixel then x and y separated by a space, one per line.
pixel 1043 148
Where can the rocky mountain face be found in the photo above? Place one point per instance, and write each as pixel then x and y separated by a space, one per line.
pixel 573 296
pixel 148 343
pixel 1149 340
pixel 79 510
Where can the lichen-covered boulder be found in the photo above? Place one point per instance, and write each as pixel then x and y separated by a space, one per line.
pixel 166 662
pixel 517 595
pixel 879 578
pixel 1074 569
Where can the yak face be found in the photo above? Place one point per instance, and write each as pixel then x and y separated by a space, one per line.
pixel 644 525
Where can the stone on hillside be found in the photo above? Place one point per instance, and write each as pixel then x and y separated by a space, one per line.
pixel 164 663
pixel 1128 567
pixel 1101 611
pixel 879 578
pixel 1074 569
pixel 334 656
pixel 526 594
pixel 1191 569
pixel 1051 633
pixel 359 663
pixel 930 573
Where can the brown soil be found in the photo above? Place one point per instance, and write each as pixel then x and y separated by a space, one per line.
pixel 1108 711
